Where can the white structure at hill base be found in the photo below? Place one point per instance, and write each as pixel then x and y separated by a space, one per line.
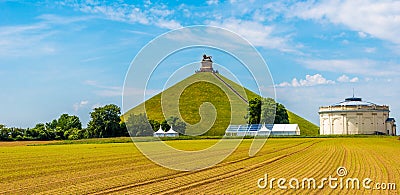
pixel 262 130
pixel 169 133
pixel 159 133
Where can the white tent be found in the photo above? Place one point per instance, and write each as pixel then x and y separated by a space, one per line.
pixel 264 131
pixel 159 133
pixel 285 129
pixel 171 133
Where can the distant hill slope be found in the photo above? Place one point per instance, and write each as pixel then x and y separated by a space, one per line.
pixel 306 127
pixel 187 96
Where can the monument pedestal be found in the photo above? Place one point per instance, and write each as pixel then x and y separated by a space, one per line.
pixel 206 64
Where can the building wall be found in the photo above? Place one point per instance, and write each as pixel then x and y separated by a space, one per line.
pixel 390 127
pixel 363 121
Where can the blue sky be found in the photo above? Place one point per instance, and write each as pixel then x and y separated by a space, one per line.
pixel 70 56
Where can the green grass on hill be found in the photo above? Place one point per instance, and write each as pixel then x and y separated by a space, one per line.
pixel 187 98
pixel 306 127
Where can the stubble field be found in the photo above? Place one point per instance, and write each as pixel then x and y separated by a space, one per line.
pixel 119 168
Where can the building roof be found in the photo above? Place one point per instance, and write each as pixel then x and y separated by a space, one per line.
pixel 160 131
pixel 354 101
pixel 285 127
pixel 170 131
pixel 390 120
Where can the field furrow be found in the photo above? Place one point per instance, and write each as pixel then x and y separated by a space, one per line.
pixel 121 169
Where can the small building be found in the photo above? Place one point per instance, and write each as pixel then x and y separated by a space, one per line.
pixel 262 130
pixel 286 129
pixel 355 116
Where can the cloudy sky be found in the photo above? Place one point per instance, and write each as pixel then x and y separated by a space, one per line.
pixel 70 56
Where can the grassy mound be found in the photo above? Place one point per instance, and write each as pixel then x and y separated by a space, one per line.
pixel 306 127
pixel 202 97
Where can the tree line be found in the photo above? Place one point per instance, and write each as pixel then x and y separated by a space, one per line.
pixel 140 125
pixel 266 110
pixel 105 122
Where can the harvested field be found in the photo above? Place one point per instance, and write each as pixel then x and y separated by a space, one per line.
pixel 120 168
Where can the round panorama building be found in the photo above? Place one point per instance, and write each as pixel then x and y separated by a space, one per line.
pixel 354 116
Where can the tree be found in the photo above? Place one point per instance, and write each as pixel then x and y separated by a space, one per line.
pixel 138 125
pixel 74 134
pixel 281 116
pixel 52 124
pixel 63 124
pixel 177 124
pixel 165 126
pixel 123 129
pixel 155 125
pixel 41 133
pixel 16 133
pixel 268 110
pixel 67 122
pixel 4 132
pixel 254 111
pixel 31 133
pixel 105 121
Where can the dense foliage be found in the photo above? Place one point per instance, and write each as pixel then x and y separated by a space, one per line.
pixel 65 127
pixel 266 110
pixel 176 124
pixel 139 125
pixel 254 111
pixel 105 122
pixel 281 115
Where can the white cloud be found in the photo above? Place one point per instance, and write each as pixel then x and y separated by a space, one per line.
pixel 362 35
pixel 212 2
pixel 55 19
pixel 370 49
pixel 157 15
pixel 352 66
pixel 79 105
pixel 32 39
pixel 284 84
pixel 377 18
pixel 115 91
pixel 346 79
pixel 257 33
pixel 26 38
pixel 219 38
pixel 110 92
pixel 345 42
pixel 97 105
pixel 354 80
pixel 90 82
pixel 310 80
pixel 169 24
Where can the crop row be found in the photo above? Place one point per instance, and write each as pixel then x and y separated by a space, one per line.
pixel 121 168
